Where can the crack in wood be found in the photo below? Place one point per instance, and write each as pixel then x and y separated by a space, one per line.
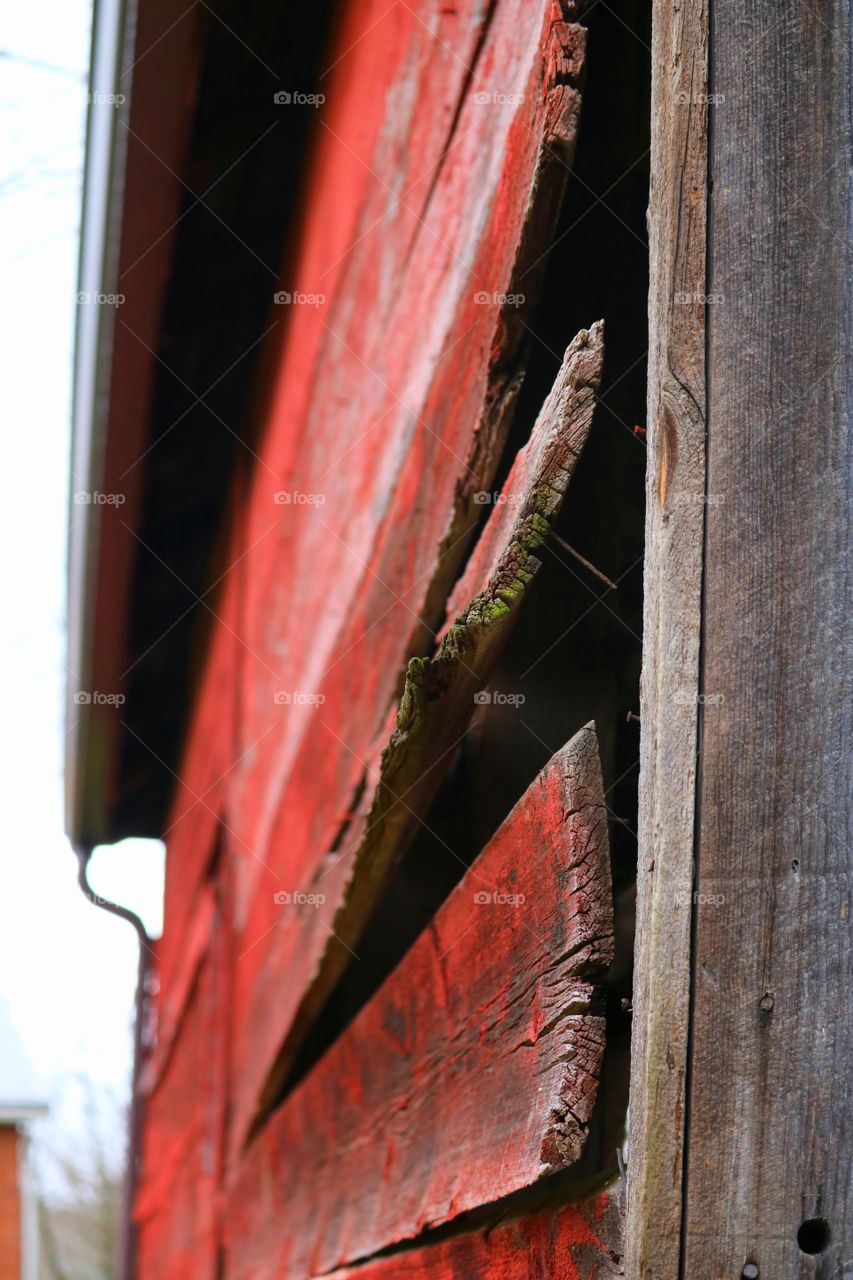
pixel 438 697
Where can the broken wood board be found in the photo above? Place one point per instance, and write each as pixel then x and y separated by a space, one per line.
pixel 541 471
pixel 576 1242
pixel 473 1071
pixel 409 370
pixel 437 703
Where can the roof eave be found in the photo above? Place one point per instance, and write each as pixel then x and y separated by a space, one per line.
pixel 139 113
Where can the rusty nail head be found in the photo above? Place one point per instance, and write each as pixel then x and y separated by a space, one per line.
pixel 765 1004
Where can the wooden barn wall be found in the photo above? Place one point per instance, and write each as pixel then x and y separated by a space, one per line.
pixel 439 161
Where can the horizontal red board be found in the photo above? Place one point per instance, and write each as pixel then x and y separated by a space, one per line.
pixel 471 1073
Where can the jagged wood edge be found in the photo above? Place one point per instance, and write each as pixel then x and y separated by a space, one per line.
pixel 564 68
pixel 469 650
pixel 438 696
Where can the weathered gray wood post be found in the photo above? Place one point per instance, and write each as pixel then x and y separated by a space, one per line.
pixel 739 1162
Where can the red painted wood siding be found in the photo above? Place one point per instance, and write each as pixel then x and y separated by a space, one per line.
pixel 472 1072
pixel 579 1242
pixel 438 165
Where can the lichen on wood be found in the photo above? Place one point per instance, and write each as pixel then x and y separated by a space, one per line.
pixel 439 694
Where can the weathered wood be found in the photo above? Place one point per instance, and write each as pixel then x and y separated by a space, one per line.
pixel 770 1106
pixel 176 1205
pixel 194 832
pixel 440 159
pixel 675 504
pixel 540 473
pixel 172 1007
pixel 578 1242
pixel 439 695
pixel 472 1072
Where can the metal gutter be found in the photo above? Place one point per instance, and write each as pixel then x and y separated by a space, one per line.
pixel 140 106
pixel 106 146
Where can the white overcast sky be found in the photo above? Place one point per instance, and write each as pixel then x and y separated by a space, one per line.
pixel 67 970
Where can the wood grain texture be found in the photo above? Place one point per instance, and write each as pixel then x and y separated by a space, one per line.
pixel 675 505
pixel 439 696
pixel 770 1106
pixel 529 500
pixel 578 1242
pixel 471 1073
pixel 440 159
pixel 176 1204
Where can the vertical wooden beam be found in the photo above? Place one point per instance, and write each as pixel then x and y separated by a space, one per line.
pixel 670 680
pixel 770 1104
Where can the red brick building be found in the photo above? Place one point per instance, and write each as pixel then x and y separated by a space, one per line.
pixel 373 511
pixel 21 1101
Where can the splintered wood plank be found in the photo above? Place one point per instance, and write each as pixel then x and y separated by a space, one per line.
pixel 578 1242
pixel 541 471
pixel 392 399
pixel 438 699
pixel 472 1072
pixel 389 405
pixel 770 1106
pixel 675 513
